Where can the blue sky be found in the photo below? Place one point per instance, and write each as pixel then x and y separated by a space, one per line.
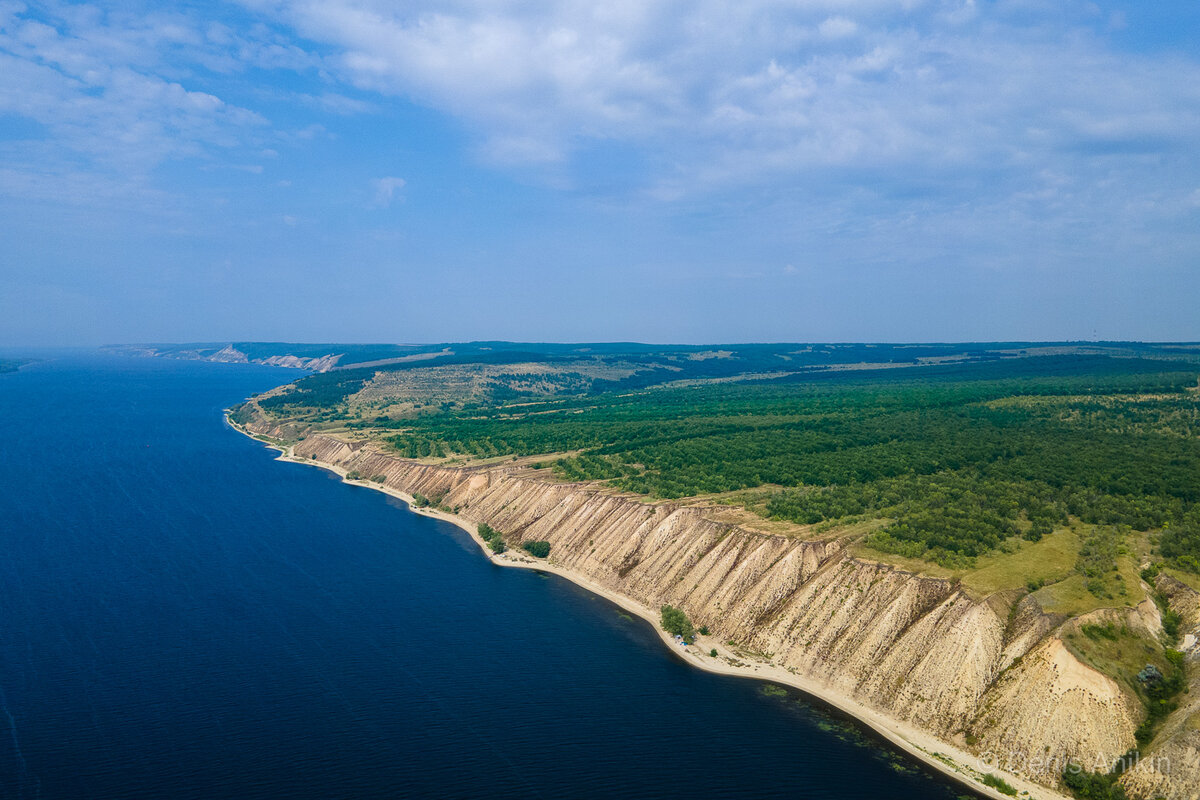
pixel 820 170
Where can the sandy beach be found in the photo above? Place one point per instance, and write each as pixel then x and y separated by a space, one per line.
pixel 956 764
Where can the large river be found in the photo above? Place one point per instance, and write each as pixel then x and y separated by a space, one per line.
pixel 181 616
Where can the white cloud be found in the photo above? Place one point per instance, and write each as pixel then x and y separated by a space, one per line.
pixel 717 93
pixel 385 190
pixel 838 28
pixel 336 103
pixel 918 109
pixel 111 103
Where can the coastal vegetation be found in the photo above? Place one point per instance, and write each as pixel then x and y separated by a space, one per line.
pixel 493 537
pixel 999 784
pixel 676 623
pixel 1161 693
pixel 537 549
pixel 1087 785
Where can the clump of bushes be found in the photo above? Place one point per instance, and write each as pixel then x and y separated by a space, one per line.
pixel 1161 693
pixel 1097 560
pixel 421 501
pixel 1097 632
pixel 1171 622
pixel 537 549
pixel 493 537
pixel 1040 527
pixel 676 623
pixel 999 784
pixel 1093 785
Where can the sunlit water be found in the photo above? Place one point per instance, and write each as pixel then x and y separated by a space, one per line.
pixel 181 616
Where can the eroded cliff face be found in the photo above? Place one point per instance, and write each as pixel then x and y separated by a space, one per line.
pixel 1171 768
pixel 324 363
pixel 980 673
pixel 231 355
pixel 316 364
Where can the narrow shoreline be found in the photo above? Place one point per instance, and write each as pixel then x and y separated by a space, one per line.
pixel 932 752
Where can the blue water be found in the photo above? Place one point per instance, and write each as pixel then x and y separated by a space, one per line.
pixel 181 616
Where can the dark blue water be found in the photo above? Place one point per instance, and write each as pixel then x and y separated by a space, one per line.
pixel 181 616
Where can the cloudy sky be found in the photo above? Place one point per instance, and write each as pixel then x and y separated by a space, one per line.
pixel 656 170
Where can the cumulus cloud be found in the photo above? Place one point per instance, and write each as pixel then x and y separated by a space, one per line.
pixel 931 114
pixel 114 95
pixel 385 190
pixel 335 103
pixel 837 27
pixel 931 95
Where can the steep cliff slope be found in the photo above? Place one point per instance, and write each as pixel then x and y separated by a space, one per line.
pixel 993 675
pixel 1172 767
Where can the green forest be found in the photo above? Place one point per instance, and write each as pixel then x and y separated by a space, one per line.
pixel 958 465
pixel 954 460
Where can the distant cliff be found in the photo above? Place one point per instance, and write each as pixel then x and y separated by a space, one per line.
pixel 232 355
pixel 993 676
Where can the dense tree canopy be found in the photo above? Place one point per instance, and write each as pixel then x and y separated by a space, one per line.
pixel 956 459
